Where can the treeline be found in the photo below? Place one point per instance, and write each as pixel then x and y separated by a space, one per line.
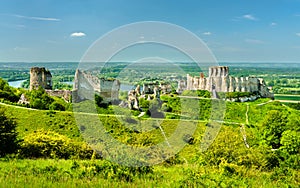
pixel 14 75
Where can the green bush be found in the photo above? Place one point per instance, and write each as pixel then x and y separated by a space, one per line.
pixel 57 106
pixel 290 149
pixel 39 99
pixel 7 92
pixel 49 144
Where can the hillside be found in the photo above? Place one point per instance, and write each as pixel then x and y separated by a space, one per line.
pixel 228 161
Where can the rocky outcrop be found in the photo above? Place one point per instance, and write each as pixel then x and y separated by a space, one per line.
pixel 23 99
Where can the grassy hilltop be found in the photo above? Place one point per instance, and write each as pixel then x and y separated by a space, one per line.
pixel 226 163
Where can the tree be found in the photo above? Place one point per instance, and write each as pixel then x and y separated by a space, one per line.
pixel 290 149
pixel 39 99
pixel 274 124
pixel 8 135
pixel 3 84
pixel 7 92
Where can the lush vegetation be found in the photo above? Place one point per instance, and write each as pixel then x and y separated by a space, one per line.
pixel 37 99
pixel 271 161
pixel 8 135
pixel 8 93
pixel 46 146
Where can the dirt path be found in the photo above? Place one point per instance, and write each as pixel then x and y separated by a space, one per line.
pixel 247 119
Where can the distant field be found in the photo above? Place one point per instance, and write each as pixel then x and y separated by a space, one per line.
pixel 292 88
pixel 287 97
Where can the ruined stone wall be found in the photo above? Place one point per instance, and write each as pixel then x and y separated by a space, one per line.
pixel 86 85
pixel 64 94
pixel 40 77
pixel 220 80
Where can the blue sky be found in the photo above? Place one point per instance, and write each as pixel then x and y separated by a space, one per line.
pixel 235 30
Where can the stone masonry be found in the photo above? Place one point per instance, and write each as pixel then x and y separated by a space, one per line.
pixel 39 76
pixel 86 85
pixel 219 79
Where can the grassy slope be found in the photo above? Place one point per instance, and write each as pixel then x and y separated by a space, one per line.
pixel 228 142
pixel 29 120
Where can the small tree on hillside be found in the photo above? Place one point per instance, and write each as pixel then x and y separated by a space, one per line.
pixel 274 124
pixel 8 135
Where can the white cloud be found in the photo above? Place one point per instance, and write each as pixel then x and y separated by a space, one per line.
pixel 254 41
pixel 36 18
pixel 273 24
pixel 249 17
pixel 78 34
pixel 207 33
pixel 298 34
pixel 245 17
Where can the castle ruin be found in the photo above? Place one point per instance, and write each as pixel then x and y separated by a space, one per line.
pixel 40 77
pixel 219 80
pixel 86 85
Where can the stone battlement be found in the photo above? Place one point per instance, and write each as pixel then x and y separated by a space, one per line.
pixel 220 81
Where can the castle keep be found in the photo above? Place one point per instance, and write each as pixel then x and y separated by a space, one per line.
pixel 219 80
pixel 39 76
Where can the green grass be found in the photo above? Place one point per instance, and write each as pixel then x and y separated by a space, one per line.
pixel 29 120
pixel 68 173
pixel 226 163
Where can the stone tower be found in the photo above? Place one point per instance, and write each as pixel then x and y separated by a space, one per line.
pixel 39 76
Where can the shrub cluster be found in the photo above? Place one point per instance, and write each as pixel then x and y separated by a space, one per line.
pixel 49 144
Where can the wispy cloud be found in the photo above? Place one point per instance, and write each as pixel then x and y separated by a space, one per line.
pixel 18 48
pixel 254 41
pixel 207 33
pixel 245 17
pixel 298 34
pixel 36 18
pixel 249 17
pixel 77 34
pixel 273 24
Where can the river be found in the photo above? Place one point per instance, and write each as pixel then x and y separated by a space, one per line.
pixel 16 84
